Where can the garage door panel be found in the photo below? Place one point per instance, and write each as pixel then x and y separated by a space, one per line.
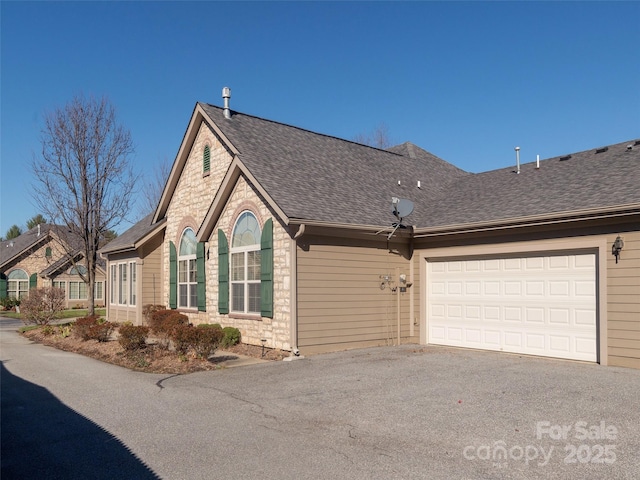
pixel 542 305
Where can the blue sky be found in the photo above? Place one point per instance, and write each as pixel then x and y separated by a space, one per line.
pixel 466 81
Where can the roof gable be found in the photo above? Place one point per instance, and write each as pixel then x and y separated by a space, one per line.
pixel 317 177
pixel 132 237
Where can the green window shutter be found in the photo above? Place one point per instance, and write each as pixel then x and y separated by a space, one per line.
pixel 200 276
pixel 266 270
pixel 33 281
pixel 223 273
pixel 3 286
pixel 47 252
pixel 173 276
pixel 206 159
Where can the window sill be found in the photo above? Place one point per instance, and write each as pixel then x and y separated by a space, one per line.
pixel 246 316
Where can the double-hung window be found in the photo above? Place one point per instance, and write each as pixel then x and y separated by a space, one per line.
pixel 18 284
pixel 187 271
pixel 122 283
pixel 245 265
pixel 113 284
pixel 132 283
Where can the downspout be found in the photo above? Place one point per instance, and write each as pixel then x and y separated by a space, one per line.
pixel 398 301
pixel 294 291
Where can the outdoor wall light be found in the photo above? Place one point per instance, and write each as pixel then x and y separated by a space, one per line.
pixel 386 280
pixel 617 246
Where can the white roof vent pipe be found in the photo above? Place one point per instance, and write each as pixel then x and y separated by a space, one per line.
pixel 517 149
pixel 226 95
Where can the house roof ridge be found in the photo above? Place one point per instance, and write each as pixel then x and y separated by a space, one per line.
pixel 306 130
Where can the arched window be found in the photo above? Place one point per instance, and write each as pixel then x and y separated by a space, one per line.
pixel 206 159
pixel 187 270
pixel 78 270
pixel 245 265
pixel 17 284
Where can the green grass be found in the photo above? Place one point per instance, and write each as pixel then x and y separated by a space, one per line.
pixel 73 313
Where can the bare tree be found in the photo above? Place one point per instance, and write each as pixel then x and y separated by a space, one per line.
pixel 153 186
pixel 84 177
pixel 35 221
pixel 379 138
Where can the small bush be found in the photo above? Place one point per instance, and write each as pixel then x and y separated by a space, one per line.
pixel 9 303
pixel 149 309
pixel 133 337
pixel 102 331
pixel 207 340
pixel 64 330
pixel 42 305
pixel 82 327
pixel 48 330
pixel 184 337
pixel 231 337
pixel 157 320
pixel 93 327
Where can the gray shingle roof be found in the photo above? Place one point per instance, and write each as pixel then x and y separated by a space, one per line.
pixel 131 236
pixel 587 180
pixel 322 178
pixel 10 249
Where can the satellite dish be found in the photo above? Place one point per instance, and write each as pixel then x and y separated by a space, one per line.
pixel 401 207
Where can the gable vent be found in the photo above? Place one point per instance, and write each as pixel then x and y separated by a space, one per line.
pixel 566 157
pixel 602 150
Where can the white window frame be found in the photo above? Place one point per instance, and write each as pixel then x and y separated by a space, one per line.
pixel 18 287
pixel 187 272
pixel 60 284
pixel 98 291
pixel 132 283
pixel 243 277
pixel 122 284
pixel 78 290
pixel 113 281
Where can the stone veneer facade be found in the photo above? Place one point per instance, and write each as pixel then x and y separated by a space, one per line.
pixel 35 260
pixel 276 330
pixel 189 205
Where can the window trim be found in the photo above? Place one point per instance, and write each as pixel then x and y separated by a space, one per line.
pixel 133 284
pixel 19 292
pixel 79 290
pixel 119 290
pixel 244 250
pixel 206 161
pixel 191 275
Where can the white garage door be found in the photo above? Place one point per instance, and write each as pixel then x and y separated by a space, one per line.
pixel 539 305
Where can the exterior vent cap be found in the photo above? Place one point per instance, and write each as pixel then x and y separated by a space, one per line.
pixel 602 150
pixel 637 143
pixel 566 157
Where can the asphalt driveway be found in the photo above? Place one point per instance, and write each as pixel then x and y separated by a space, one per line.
pixel 396 412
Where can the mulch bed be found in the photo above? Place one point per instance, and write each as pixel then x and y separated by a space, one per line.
pixel 151 359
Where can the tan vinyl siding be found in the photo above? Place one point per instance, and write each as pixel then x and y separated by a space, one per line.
pixel 623 303
pixel 151 275
pixel 340 303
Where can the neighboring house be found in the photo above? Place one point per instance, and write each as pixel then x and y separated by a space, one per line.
pixel 288 235
pixel 37 259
